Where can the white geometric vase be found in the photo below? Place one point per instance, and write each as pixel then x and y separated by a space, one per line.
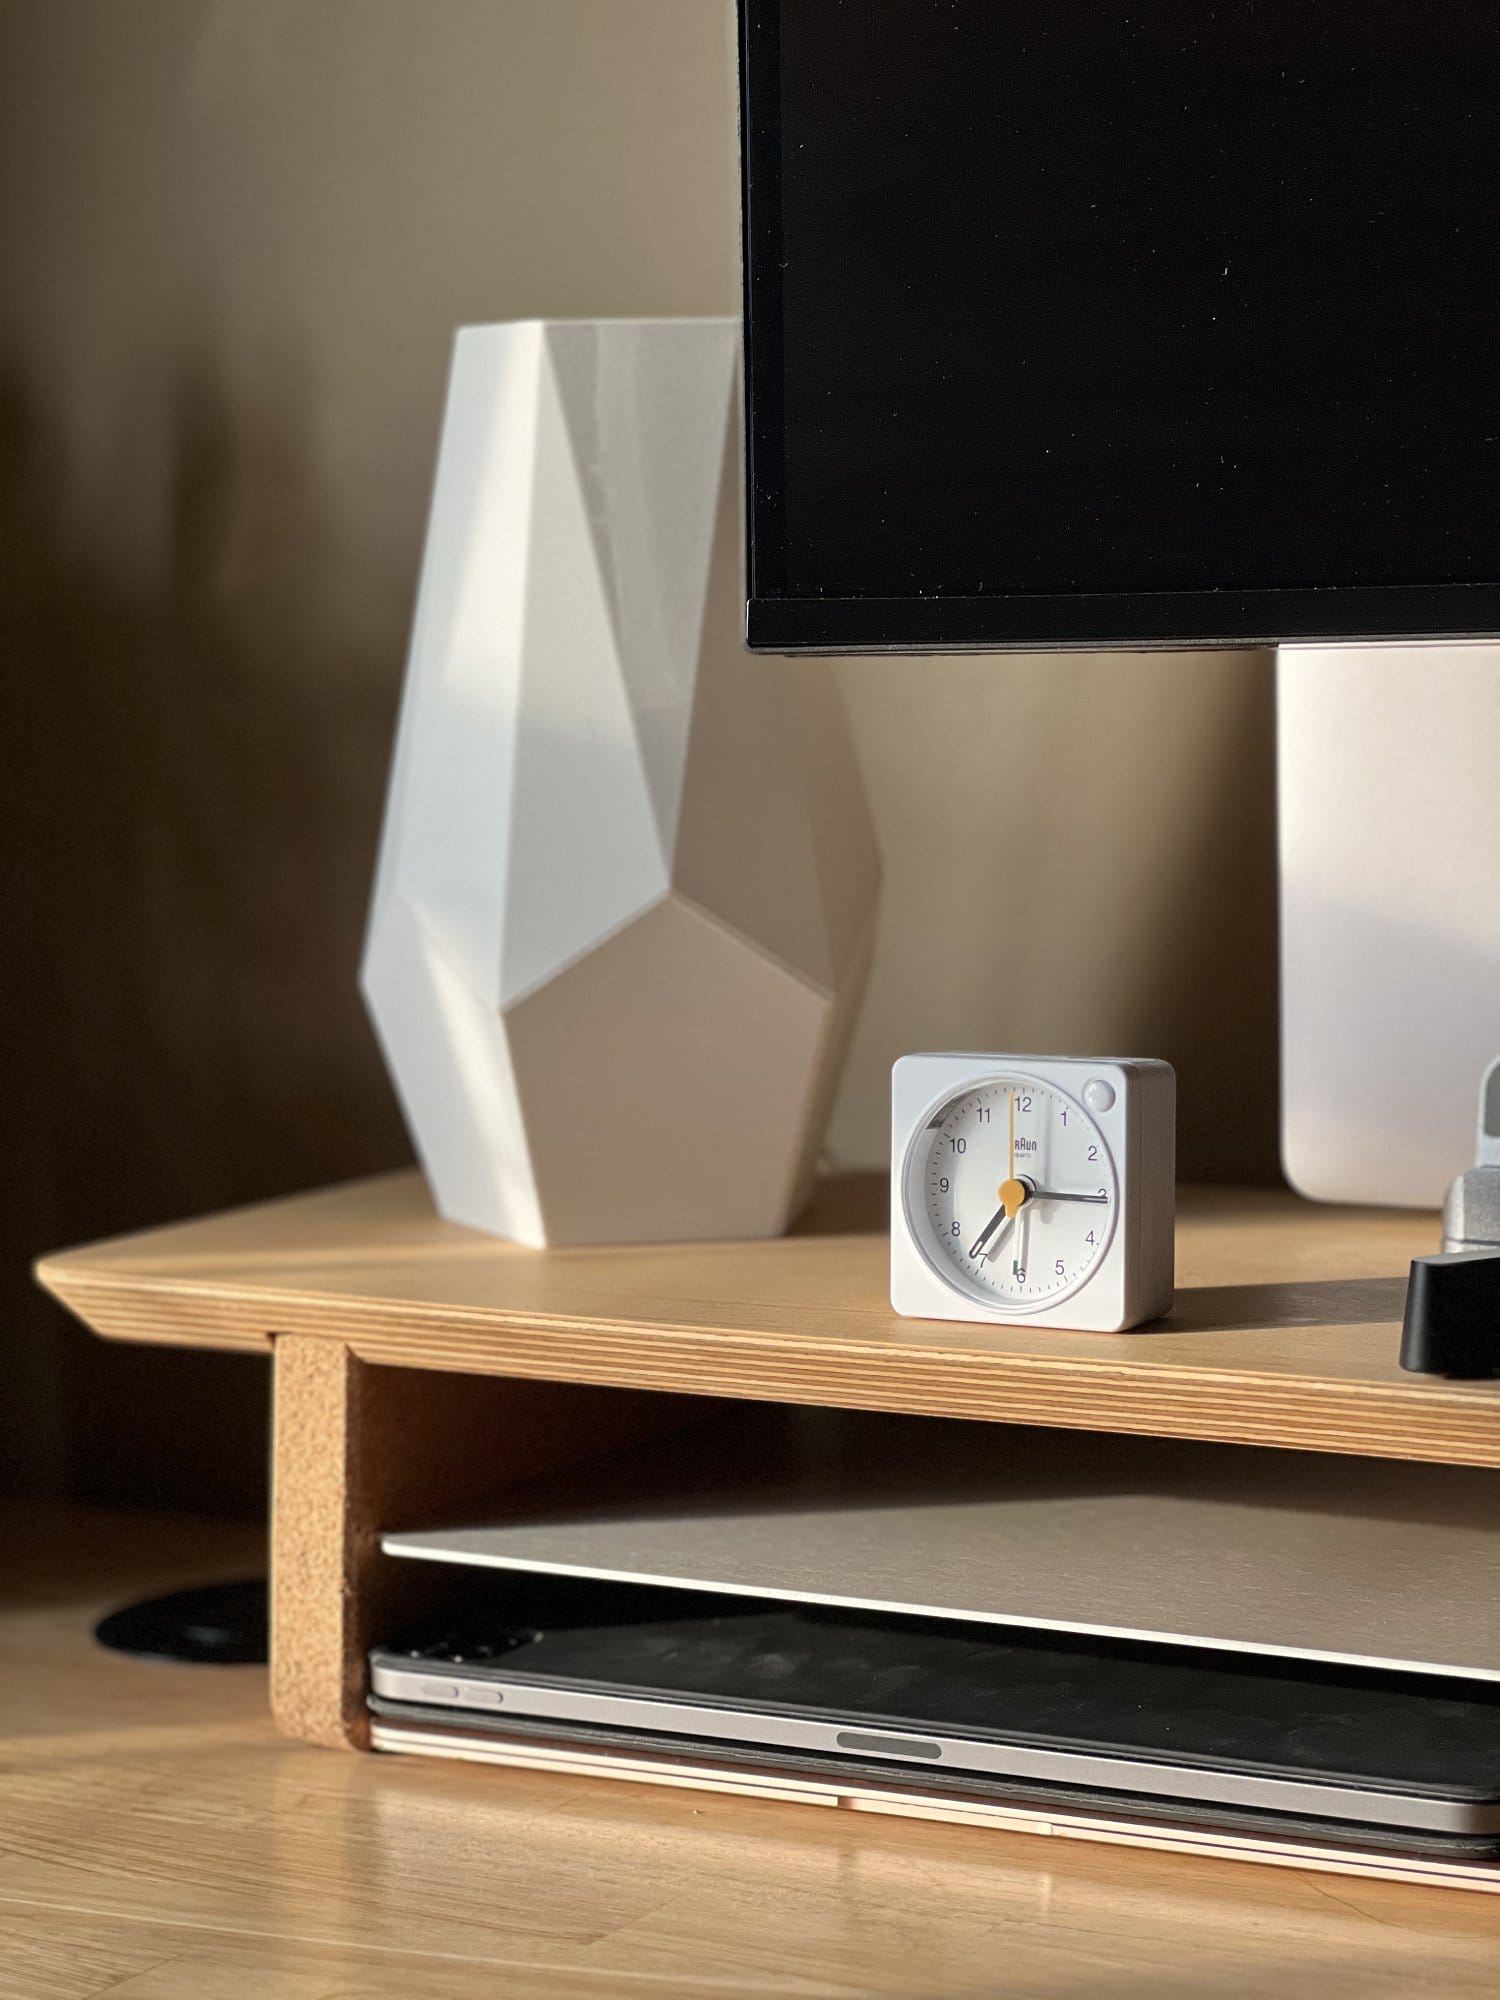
pixel 627 886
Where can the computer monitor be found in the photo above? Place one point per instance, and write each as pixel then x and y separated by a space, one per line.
pixel 1152 323
pixel 1131 324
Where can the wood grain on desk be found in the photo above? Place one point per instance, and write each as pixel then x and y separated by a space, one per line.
pixel 158 1841
pixel 1285 1330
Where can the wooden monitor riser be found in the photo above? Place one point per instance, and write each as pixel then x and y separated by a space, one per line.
pixel 421 1370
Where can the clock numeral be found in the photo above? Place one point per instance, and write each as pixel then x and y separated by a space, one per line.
pixel 1065 1115
pixel 1104 1194
pixel 1060 1268
pixel 1023 1104
pixel 984 1114
pixel 955 1230
pixel 1093 1153
pixel 959 1145
pixel 943 1184
pixel 1020 1273
pixel 1090 1238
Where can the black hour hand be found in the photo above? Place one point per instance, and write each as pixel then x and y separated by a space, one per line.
pixel 988 1231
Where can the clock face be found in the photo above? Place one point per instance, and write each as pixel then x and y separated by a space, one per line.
pixel 1011 1193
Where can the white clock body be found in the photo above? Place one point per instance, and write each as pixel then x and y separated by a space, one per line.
pixel 1034 1190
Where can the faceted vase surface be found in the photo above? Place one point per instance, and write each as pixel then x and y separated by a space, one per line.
pixel 627 887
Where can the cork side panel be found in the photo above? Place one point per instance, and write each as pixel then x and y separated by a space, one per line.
pixel 314 1512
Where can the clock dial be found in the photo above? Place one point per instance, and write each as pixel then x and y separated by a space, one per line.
pixel 1011 1193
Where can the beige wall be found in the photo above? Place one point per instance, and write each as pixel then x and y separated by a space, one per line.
pixel 237 235
pixel 1079 854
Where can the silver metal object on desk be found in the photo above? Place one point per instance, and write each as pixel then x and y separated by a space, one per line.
pixel 1471 1213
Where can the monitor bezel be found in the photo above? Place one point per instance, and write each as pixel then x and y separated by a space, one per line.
pixel 1132 621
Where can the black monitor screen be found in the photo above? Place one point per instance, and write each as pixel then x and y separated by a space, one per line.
pixel 1156 320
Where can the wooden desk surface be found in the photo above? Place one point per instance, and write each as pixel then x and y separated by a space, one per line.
pixel 1285 1331
pixel 158 1841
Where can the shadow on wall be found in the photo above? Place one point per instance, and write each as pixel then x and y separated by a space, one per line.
pixel 190 806
pixel 1080 855
pixel 1211 1003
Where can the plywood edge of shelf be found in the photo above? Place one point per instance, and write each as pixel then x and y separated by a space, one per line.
pixel 804 1320
pixel 157 1313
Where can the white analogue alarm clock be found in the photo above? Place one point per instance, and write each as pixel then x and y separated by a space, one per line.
pixel 1036 1189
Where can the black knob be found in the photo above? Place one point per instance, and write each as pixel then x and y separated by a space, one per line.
pixel 1452 1324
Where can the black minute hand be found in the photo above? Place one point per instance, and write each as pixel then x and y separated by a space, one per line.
pixel 1056 1194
